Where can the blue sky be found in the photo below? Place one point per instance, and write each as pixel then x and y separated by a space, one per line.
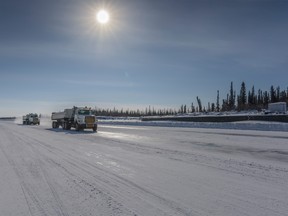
pixel 163 53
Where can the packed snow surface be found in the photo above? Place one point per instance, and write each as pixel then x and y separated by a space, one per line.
pixel 142 170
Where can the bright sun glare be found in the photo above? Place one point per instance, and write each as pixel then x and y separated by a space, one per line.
pixel 103 16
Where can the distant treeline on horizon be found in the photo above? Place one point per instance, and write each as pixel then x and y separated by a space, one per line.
pixel 7 118
pixel 242 101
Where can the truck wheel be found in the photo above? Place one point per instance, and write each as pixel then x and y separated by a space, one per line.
pixel 77 127
pixel 95 128
pixel 68 126
pixel 55 125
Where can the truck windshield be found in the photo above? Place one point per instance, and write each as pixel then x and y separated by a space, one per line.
pixel 84 112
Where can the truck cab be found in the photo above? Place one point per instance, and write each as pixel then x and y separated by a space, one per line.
pixel 83 118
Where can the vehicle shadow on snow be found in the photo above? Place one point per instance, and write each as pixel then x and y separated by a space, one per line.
pixel 59 130
pixel 27 125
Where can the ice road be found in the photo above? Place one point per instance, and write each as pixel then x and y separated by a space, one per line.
pixel 138 170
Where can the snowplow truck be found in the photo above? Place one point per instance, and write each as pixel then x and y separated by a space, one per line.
pixel 78 117
pixel 31 119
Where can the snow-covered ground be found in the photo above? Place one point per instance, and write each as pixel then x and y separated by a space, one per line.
pixel 131 169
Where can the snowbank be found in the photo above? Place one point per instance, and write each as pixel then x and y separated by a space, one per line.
pixel 243 125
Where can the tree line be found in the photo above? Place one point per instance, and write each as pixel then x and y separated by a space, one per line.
pixel 243 100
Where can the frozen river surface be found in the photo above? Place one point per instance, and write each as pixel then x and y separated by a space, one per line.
pixel 142 170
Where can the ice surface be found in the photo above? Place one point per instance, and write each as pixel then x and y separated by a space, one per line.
pixel 142 170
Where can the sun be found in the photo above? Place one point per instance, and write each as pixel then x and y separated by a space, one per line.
pixel 102 17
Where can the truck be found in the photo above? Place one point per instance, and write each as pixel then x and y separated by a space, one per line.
pixel 79 118
pixel 280 107
pixel 31 119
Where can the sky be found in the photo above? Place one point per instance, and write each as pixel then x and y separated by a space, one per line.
pixel 162 53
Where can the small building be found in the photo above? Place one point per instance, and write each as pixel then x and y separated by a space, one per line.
pixel 280 107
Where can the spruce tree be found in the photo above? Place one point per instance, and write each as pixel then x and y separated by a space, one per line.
pixel 192 108
pixel 253 97
pixel 272 94
pixel 266 99
pixel 213 107
pixel 217 102
pixel 199 104
pixel 278 94
pixel 282 97
pixel 231 99
pixel 242 97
